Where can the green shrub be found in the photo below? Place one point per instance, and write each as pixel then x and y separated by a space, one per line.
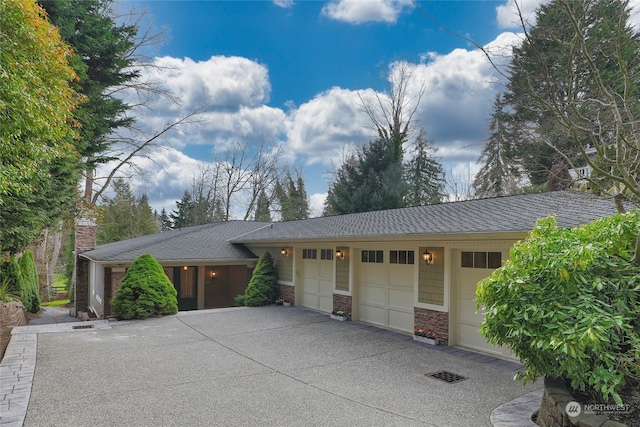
pixel 145 291
pixel 238 301
pixel 262 288
pixel 567 303
pixel 30 289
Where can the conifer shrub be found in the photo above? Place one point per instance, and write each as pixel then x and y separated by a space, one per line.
pixel 145 291
pixel 10 278
pixel 262 288
pixel 29 285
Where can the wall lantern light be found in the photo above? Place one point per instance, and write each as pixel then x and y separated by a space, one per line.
pixel 339 254
pixel 427 257
pixel 185 268
pixel 284 252
pixel 213 274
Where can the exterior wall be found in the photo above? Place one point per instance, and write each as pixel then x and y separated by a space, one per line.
pixel 343 303
pixel 85 239
pixel 96 289
pixel 288 291
pixel 431 278
pixel 342 273
pixel 112 279
pixel 436 321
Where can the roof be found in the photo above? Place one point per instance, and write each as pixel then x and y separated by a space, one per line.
pixel 200 242
pixel 492 215
pixel 224 240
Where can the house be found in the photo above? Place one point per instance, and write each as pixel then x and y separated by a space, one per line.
pixel 395 269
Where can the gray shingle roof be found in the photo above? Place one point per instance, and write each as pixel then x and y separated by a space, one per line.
pixel 493 215
pixel 201 242
pixel 223 240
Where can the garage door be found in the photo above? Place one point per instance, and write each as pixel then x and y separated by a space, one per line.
pixel 386 294
pixel 317 282
pixel 472 267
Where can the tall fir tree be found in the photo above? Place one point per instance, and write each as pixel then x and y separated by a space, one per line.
pixel 263 214
pixel 424 174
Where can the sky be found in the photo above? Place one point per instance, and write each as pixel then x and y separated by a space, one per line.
pixel 292 73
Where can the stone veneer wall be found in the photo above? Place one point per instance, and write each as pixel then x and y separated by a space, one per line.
pixel 343 303
pixel 432 320
pixel 85 240
pixel 553 409
pixel 287 291
pixel 12 314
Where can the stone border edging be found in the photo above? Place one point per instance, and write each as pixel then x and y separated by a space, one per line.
pixel 555 398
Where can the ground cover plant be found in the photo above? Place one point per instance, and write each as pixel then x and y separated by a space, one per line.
pixel 567 303
pixel 145 291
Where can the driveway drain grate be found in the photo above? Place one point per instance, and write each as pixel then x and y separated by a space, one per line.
pixel 83 327
pixel 447 376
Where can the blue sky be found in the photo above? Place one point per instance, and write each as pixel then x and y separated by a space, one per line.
pixel 291 73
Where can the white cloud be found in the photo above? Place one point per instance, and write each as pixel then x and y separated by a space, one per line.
pixel 285 4
pixel 321 128
pixel 509 14
pixel 361 11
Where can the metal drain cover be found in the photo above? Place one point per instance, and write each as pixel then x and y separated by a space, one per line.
pixel 83 327
pixel 447 376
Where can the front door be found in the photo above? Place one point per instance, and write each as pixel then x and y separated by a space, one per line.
pixel 185 282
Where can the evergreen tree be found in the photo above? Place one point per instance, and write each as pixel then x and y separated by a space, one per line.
pixel 292 198
pixel 183 215
pixel 262 287
pixel 102 60
pixel 125 217
pixel 30 289
pixel 262 208
pixel 424 174
pixel 497 169
pixel 371 180
pixel 165 221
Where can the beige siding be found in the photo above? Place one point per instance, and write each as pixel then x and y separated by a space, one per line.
pixel 431 278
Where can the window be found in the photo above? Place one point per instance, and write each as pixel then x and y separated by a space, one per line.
pixel 481 259
pixel 401 257
pixel 310 253
pixel 372 256
pixel 326 254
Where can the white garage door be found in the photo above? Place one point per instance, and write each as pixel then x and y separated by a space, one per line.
pixel 468 320
pixel 317 284
pixel 386 295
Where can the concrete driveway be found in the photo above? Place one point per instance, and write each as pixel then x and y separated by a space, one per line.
pixel 267 366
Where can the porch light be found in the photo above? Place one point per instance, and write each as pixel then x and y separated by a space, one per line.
pixel 213 274
pixel 185 268
pixel 427 257
pixel 284 252
pixel 339 254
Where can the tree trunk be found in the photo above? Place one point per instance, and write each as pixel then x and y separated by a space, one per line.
pixel 55 253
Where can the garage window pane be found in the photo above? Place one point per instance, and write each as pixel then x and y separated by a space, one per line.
pixel 364 257
pixel 410 257
pixel 495 259
pixel 402 257
pixel 467 259
pixel 379 257
pixel 393 257
pixel 480 259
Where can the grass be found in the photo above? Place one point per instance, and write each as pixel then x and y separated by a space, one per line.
pixel 56 303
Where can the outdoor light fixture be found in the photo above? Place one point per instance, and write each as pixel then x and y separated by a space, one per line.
pixel 284 252
pixel 339 254
pixel 185 268
pixel 427 257
pixel 213 274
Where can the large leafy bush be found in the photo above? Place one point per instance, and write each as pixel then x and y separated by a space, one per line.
pixel 567 304
pixel 261 289
pixel 145 291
